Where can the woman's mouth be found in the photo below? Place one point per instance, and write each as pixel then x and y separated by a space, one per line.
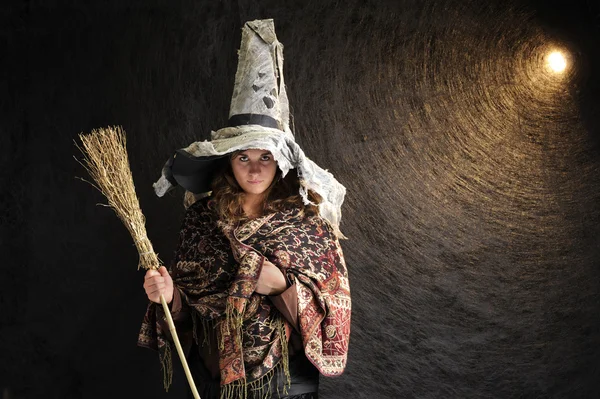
pixel 254 181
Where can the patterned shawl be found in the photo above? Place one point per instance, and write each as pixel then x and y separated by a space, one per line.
pixel 216 270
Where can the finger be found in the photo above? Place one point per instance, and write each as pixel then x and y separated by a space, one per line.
pixel 154 279
pixel 156 285
pixel 150 274
pixel 270 267
pixel 150 283
pixel 154 298
pixel 155 291
pixel 163 271
pixel 154 295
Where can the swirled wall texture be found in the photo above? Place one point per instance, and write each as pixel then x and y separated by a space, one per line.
pixel 472 171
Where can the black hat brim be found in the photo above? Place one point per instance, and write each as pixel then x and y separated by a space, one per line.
pixel 195 174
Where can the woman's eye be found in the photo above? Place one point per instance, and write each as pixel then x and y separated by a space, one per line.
pixel 266 158
pixel 243 158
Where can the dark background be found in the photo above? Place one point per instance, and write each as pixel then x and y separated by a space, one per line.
pixel 473 202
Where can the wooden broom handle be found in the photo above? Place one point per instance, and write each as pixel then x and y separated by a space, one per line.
pixel 179 349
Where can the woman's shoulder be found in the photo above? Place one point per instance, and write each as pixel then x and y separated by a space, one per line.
pixel 201 208
pixel 302 217
pixel 316 221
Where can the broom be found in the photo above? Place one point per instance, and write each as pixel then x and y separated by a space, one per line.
pixel 105 157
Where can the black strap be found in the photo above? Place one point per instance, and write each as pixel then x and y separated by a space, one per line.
pixel 253 119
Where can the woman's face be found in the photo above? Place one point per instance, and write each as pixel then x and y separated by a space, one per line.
pixel 254 170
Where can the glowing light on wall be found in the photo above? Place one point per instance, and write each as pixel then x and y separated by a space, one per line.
pixel 557 62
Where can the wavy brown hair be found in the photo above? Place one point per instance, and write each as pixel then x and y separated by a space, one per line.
pixel 227 196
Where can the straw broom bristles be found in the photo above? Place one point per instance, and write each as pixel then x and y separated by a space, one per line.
pixel 105 159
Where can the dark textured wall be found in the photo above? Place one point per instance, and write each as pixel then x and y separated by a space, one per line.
pixel 473 202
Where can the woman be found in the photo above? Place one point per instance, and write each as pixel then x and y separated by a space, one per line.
pixel 258 287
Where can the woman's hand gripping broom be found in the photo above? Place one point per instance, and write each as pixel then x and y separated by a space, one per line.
pixel 105 159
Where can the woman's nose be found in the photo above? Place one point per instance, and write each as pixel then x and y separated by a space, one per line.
pixel 254 167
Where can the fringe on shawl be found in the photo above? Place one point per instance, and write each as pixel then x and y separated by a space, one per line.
pixel 207 327
pixel 261 388
pixel 166 363
pixel 234 318
pixel 166 353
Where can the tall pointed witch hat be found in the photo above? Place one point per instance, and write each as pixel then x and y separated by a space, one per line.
pixel 259 118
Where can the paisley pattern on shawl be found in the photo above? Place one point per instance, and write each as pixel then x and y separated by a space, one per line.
pixel 216 269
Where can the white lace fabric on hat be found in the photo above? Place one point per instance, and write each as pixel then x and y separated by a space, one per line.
pixel 288 155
